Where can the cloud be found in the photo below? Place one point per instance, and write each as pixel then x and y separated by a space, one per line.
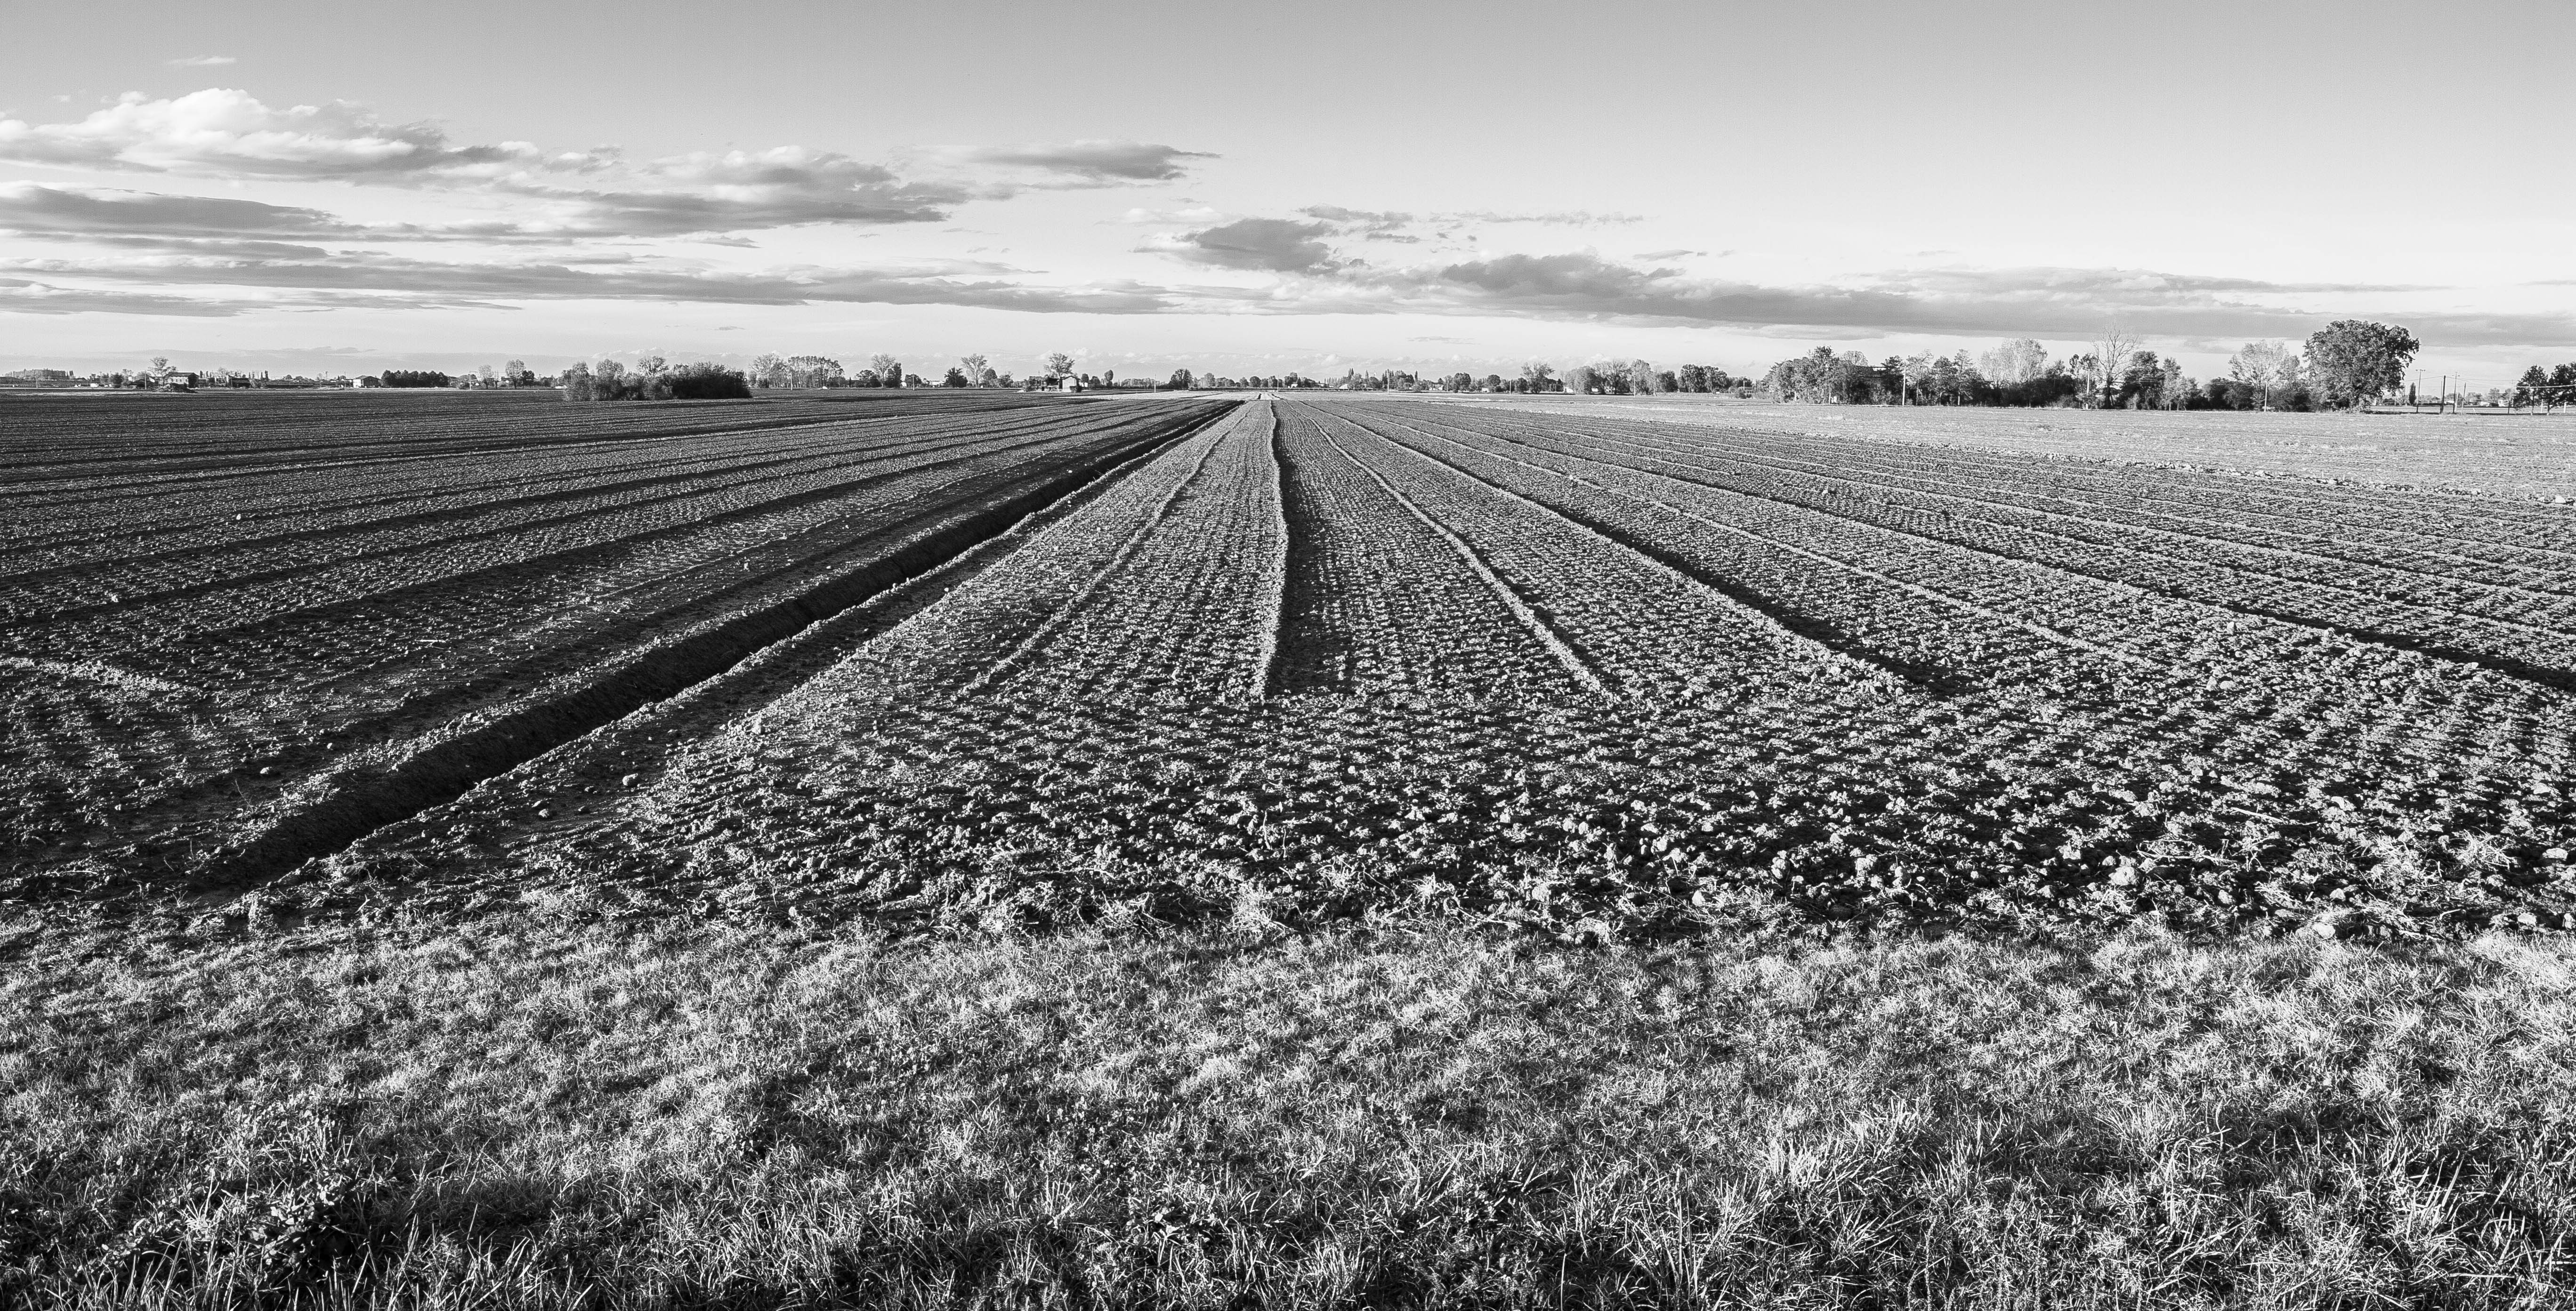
pixel 1570 218
pixel 560 194
pixel 2044 301
pixel 1361 220
pixel 129 218
pixel 202 61
pixel 2053 302
pixel 1097 163
pixel 1367 225
pixel 786 187
pixel 1184 214
pixel 31 208
pixel 1265 244
pixel 1405 228
pixel 436 283
pixel 1670 254
pixel 20 296
pixel 230 133
pixel 2129 284
pixel 1573 281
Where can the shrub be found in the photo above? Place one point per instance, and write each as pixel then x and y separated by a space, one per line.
pixel 707 382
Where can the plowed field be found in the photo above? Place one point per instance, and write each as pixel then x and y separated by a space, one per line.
pixel 986 662
pixel 241 633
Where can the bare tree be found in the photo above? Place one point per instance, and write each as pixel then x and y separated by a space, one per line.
pixel 2113 352
pixel 888 369
pixel 975 367
pixel 765 370
pixel 1537 375
pixel 1059 365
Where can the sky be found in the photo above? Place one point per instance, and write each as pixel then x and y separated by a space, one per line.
pixel 1253 189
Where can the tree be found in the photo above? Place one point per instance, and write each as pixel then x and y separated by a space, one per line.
pixel 2142 384
pixel 1819 377
pixel 2111 357
pixel 705 382
pixel 976 368
pixel 809 371
pixel 1536 376
pixel 1641 377
pixel 2354 362
pixel 2266 368
pixel 2525 390
pixel 1914 375
pixel 2014 363
pixel 888 369
pixel 160 366
pixel 1702 378
pixel 1579 380
pixel 1058 365
pixel 1182 380
pixel 956 377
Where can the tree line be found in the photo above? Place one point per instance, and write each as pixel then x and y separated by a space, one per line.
pixel 800 371
pixel 2347 363
pixel 2350 362
pixel 1613 378
pixel 2546 386
pixel 653 379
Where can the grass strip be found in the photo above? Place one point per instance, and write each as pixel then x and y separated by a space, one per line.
pixel 521 1110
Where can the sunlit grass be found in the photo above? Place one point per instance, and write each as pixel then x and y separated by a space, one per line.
pixel 518 1112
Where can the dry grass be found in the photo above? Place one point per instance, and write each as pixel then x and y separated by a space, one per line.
pixel 523 1113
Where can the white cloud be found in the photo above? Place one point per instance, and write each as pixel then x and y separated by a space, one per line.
pixel 230 133
pixel 203 61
